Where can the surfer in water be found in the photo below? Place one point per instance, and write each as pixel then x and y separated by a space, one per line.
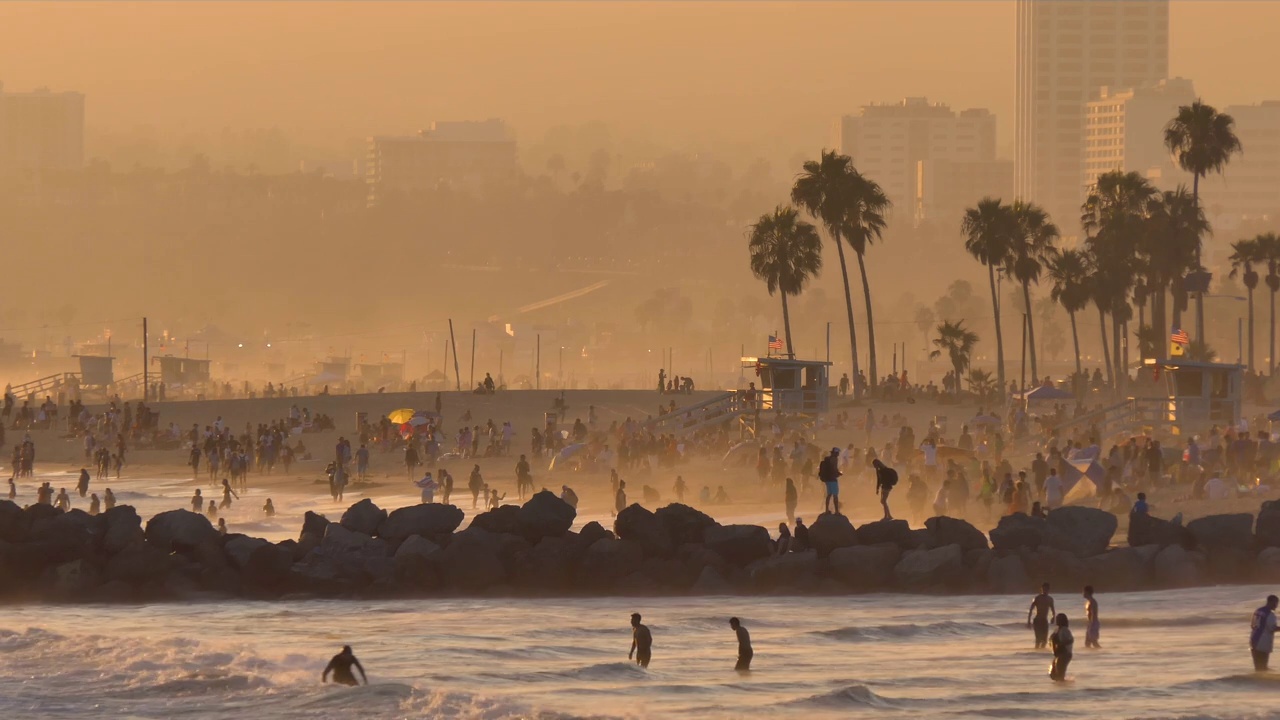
pixel 745 653
pixel 1093 628
pixel 641 642
pixel 340 666
pixel 1042 607
pixel 1062 643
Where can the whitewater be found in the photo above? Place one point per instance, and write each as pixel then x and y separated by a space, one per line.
pixel 1172 654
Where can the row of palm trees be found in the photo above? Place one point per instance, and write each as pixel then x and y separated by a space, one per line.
pixel 1142 247
pixel 1246 257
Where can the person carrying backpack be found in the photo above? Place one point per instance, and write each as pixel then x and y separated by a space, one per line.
pixel 886 479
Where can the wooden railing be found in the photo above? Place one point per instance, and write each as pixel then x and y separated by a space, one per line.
pixel 721 408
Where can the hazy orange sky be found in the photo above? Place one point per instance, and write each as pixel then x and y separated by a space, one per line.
pixel 677 72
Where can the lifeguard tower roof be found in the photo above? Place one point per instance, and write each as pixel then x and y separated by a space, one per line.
pixel 1198 393
pixel 792 385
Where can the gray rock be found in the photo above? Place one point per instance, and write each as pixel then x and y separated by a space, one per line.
pixel 831 532
pixel 177 530
pixel 1267 529
pixel 1176 567
pixel 607 561
pixel 929 569
pixel 430 520
pixel 123 528
pixel 549 565
pixel 1234 531
pixel 1267 565
pixel 788 571
pixel 739 545
pixel 1151 530
pixel 502 520
pixel 239 548
pixel 313 525
pixel 546 515
pixel 897 532
pixel 945 531
pixel 267 567
pixel 642 527
pixel 364 517
pixel 1008 575
pixel 590 533
pixel 864 567
pixel 472 562
pixel 338 540
pixel 138 564
pixel 1019 531
pixel 1082 530
pixel 1121 569
pixel 684 524
pixel 711 582
pixel 14 523
pixel 416 547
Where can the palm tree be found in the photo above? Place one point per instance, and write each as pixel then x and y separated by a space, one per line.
pixel 1167 251
pixel 864 224
pixel 1068 273
pixel 820 189
pixel 988 228
pixel 1244 255
pixel 958 342
pixel 785 253
pixel 1032 243
pixel 1203 140
pixel 1269 245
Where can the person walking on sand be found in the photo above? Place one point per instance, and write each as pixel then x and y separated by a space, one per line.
pixel 1093 627
pixel 641 642
pixel 341 665
pixel 82 485
pixel 620 498
pixel 197 502
pixel 475 484
pixel 227 494
pixel 1062 643
pixel 829 474
pixel 427 485
pixel 886 479
pixel 1262 633
pixel 1042 607
pixel 745 653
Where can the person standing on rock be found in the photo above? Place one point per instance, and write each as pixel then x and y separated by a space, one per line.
pixel 1263 632
pixel 1043 609
pixel 340 666
pixel 641 642
pixel 1093 628
pixel 745 653
pixel 829 474
pixel 1062 643
pixel 886 479
pixel 679 488
pixel 620 498
pixel 108 499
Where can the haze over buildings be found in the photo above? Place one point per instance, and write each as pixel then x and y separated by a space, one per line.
pixel 40 131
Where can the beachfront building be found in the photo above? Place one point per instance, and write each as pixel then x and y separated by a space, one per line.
pixel 1124 130
pixel 463 153
pixel 1249 187
pixel 1067 50
pixel 903 146
pixel 40 131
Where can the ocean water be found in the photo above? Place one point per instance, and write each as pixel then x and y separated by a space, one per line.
pixel 1172 654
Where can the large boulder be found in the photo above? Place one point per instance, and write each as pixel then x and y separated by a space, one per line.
pixel 711 582
pixel 1081 530
pixel 831 532
pixel 550 565
pixel 791 571
pixel 607 561
pixel 945 531
pixel 934 569
pixel 1174 566
pixel 267 567
pixel 313 525
pixel 413 561
pixel 1018 531
pixel 1121 569
pixel 471 561
pixel 430 520
pixel 739 545
pixel 339 540
pixel 179 530
pixel 139 564
pixel 897 532
pixel 546 515
pixel 637 524
pixel 590 533
pixel 1151 530
pixel 1266 567
pixel 364 517
pixel 684 524
pixel 1008 575
pixel 14 523
pixel 864 567
pixel 1230 532
pixel 239 548
pixel 502 520
pixel 123 528
pixel 1267 529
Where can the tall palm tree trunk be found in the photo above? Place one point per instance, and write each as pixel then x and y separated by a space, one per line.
pixel 1106 354
pixel 1250 365
pixel 848 306
pixel 1031 333
pixel 1116 356
pixel 786 323
pixel 1271 353
pixel 871 325
pixel 1195 200
pixel 1075 342
pixel 1158 322
pixel 995 307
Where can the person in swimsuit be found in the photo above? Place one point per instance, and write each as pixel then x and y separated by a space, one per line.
pixel 1093 628
pixel 641 642
pixel 745 653
pixel 1062 643
pixel 1042 607
pixel 340 666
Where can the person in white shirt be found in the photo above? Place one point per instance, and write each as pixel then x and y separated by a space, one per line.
pixel 1263 632
pixel 930 451
pixel 1053 490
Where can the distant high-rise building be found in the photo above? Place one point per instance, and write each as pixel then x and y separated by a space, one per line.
pixel 41 131
pixel 893 144
pixel 1067 50
pixel 1249 186
pixel 459 153
pixel 1124 130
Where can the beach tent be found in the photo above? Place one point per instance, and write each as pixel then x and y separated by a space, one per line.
pixel 741 452
pixel 566 454
pixel 1081 474
pixel 1045 392
pixel 1274 417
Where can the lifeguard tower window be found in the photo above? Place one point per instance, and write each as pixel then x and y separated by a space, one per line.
pixel 1188 383
pixel 1221 385
pixel 782 378
pixel 812 377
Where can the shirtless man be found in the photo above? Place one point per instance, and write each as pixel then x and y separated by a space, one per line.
pixel 1042 606
pixel 641 642
pixel 1092 627
pixel 340 666
pixel 745 653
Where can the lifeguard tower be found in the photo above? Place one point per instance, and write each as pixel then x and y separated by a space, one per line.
pixel 791 386
pixel 1198 394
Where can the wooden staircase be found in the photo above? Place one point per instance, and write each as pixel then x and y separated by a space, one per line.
pixel 723 408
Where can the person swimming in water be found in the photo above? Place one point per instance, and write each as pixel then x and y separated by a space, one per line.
pixel 269 509
pixel 1042 606
pixel 340 666
pixel 1062 643
pixel 197 502
pixel 745 653
pixel 1093 627
pixel 641 642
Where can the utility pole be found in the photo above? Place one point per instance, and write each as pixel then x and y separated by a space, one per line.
pixel 146 385
pixel 457 374
pixel 472 382
pixel 537 383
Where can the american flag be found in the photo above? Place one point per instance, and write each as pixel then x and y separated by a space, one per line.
pixel 1180 336
pixel 774 343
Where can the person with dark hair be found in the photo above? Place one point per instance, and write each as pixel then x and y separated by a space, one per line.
pixel 745 653
pixel 1043 608
pixel 340 666
pixel 790 498
pixel 886 479
pixel 829 474
pixel 1062 643
pixel 641 642
pixel 1091 617
pixel 1263 632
